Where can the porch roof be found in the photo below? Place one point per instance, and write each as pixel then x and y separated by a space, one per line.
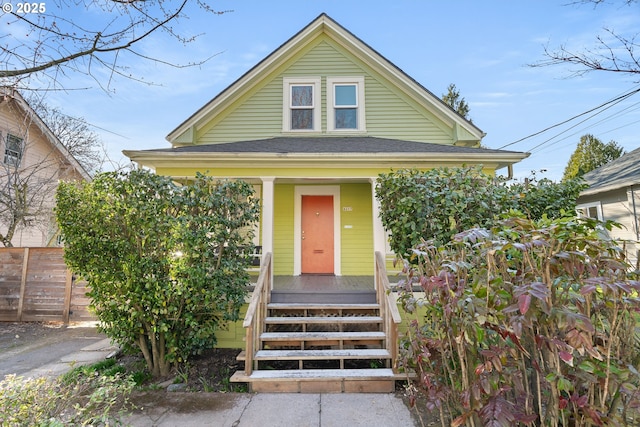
pixel 339 148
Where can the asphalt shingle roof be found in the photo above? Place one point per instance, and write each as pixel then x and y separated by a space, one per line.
pixel 622 172
pixel 325 145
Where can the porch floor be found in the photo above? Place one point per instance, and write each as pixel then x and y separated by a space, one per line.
pixel 315 288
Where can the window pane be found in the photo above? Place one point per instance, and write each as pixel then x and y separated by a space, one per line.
pixel 13 150
pixel 345 95
pixel 346 118
pixel 301 96
pixel 302 119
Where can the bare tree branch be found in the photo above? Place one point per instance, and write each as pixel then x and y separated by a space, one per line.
pixel 52 44
pixel 613 52
pixel 618 55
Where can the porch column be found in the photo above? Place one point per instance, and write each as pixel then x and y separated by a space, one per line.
pixel 267 216
pixel 267 213
pixel 379 235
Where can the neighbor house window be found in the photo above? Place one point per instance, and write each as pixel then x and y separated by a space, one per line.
pixel 345 104
pixel 590 210
pixel 301 105
pixel 13 150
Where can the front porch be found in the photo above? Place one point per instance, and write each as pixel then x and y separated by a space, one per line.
pixel 322 288
pixel 321 333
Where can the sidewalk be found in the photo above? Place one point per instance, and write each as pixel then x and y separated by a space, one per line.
pixel 162 409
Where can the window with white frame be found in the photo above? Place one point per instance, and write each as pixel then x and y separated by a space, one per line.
pixel 590 210
pixel 13 150
pixel 345 104
pixel 302 111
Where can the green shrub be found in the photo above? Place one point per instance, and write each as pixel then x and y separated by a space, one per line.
pixel 165 264
pixel 532 322
pixel 436 204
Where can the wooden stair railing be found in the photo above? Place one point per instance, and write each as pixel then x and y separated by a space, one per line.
pixel 321 347
pixel 388 309
pixel 256 313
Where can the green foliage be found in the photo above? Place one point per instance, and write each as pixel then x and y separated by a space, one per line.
pixel 590 154
pixel 82 398
pixel 538 198
pixel 166 264
pixel 438 203
pixel 532 323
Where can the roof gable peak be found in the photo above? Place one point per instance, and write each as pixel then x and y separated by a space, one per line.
pixel 324 25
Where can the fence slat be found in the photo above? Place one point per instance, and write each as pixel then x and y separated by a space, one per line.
pixel 46 287
pixel 67 298
pixel 23 282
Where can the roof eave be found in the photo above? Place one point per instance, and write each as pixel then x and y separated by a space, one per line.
pixel 496 160
pixel 48 134
pixel 611 187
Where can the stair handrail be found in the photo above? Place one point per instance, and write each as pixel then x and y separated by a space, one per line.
pixel 256 313
pixel 388 308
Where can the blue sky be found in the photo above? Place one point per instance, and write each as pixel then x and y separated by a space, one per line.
pixel 483 47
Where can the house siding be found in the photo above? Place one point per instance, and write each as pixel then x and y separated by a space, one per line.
pixel 283 199
pixel 618 207
pixel 38 155
pixel 390 113
pixel 357 229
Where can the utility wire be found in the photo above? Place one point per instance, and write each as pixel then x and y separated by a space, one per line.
pixel 620 99
pixel 612 101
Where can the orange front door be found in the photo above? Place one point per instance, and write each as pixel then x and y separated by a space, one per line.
pixel 317 234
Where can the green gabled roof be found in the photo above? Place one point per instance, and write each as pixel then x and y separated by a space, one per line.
pixel 323 24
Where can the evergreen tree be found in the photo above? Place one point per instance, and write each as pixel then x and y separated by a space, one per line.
pixel 458 104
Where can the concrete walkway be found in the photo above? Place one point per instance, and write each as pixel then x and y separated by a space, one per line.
pixel 159 408
pixel 87 355
pixel 162 409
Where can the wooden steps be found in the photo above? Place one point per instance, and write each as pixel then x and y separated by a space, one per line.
pixel 321 354
pixel 350 339
pixel 321 380
pixel 321 347
pixel 321 320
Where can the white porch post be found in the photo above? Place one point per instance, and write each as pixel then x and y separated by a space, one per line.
pixel 379 235
pixel 267 216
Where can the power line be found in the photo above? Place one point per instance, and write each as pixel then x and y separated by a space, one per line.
pixel 610 117
pixel 620 99
pixel 612 101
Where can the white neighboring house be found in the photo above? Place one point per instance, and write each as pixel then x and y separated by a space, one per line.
pixel 614 194
pixel 32 162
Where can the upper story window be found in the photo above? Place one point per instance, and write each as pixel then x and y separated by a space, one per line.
pixel 13 150
pixel 590 210
pixel 345 104
pixel 302 110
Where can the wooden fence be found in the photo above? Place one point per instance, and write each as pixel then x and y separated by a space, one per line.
pixel 36 285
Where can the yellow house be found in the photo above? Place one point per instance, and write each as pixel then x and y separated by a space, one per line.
pixel 312 126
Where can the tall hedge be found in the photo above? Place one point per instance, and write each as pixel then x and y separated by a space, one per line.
pixel 436 204
pixel 165 264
